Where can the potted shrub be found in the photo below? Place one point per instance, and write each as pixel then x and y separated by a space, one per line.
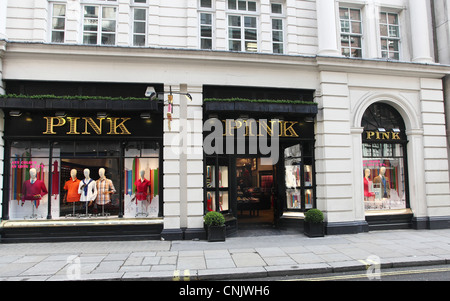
pixel 313 223
pixel 215 223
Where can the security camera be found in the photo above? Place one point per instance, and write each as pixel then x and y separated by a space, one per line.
pixel 150 92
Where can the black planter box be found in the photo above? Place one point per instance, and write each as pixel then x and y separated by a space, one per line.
pixel 314 229
pixel 216 233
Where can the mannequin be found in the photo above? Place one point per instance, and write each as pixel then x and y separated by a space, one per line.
pixel 142 185
pixel 33 189
pixel 71 186
pixel 87 189
pixel 385 186
pixel 367 194
pixel 105 188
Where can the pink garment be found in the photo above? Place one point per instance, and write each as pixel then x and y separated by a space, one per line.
pixel 33 191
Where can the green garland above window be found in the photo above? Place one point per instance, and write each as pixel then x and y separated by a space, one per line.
pixel 279 101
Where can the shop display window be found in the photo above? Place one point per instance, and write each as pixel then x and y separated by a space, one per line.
pixel 83 180
pixel 384 176
pixel 217 178
pixel 298 177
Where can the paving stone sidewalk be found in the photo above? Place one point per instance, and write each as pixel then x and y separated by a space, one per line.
pixel 237 257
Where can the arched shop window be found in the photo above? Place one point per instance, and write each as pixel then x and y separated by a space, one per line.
pixel 384 159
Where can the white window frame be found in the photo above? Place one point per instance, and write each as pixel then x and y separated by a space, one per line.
pixel 52 16
pixel 100 4
pixel 350 34
pixel 282 17
pixel 398 39
pixel 209 11
pixel 242 14
pixel 133 23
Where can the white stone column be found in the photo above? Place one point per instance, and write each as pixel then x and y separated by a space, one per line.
pixel 327 28
pixel 420 37
pixel 3 9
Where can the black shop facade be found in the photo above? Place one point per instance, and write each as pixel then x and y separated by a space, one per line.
pixel 81 166
pixel 259 165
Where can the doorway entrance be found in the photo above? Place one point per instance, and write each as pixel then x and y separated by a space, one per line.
pixel 255 193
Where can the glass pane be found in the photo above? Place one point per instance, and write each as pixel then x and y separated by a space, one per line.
pixel 206 3
pixel 235 45
pixel 206 19
pixel 251 46
pixel 90 25
pixel 277 24
pixel 90 38
pixel 206 44
pixel 223 201
pixel 235 33
pixel 277 36
pixel 139 14
pixel 393 19
pixel 343 13
pixel 108 39
pixel 384 184
pixel 293 198
pixel 206 31
pixel 108 26
pixel 251 6
pixel 109 12
pixel 250 34
pixel 59 10
pixel 277 48
pixel 345 26
pixel 277 8
pixel 234 21
pixel 356 42
pixel 139 27
pixel 58 23
pixel 142 182
pixel 29 183
pixel 250 22
pixel 139 40
pixel 210 176
pixel 394 31
pixel 308 198
pixel 91 11
pixel 58 36
pixel 355 14
pixel 242 5
pixel 383 30
pixel 231 4
pixel 356 27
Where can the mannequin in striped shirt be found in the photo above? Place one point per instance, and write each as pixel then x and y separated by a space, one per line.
pixel 105 188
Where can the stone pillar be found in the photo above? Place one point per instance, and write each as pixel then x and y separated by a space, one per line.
pixel 420 24
pixel 327 28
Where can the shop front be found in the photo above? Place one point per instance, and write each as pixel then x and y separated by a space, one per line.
pixel 76 174
pixel 385 175
pixel 259 166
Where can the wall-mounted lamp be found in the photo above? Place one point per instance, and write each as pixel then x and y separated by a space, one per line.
pixel 381 130
pixel 396 130
pixel 102 114
pixel 15 113
pixel 60 114
pixel 145 115
pixel 309 119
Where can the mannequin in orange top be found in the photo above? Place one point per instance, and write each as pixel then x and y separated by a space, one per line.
pixel 72 187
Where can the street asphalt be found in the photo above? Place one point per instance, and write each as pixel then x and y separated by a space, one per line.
pixel 236 258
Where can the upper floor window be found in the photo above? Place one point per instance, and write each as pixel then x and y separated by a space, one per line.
pixel 99 24
pixel 58 23
pixel 206 24
pixel 277 28
pixel 242 26
pixel 390 35
pixel 139 26
pixel 351 31
pixel 242 5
